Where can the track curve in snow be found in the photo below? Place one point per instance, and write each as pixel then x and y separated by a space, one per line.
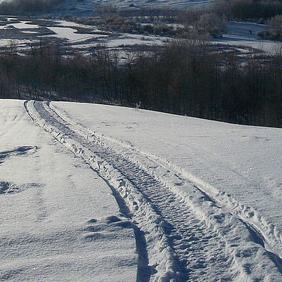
pixel 189 235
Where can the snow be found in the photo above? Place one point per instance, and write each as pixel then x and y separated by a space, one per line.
pixel 246 34
pixel 104 193
pixel 239 160
pixel 237 34
pixel 71 34
pixel 57 215
pixel 86 7
pixel 24 25
pixel 135 39
pixel 15 42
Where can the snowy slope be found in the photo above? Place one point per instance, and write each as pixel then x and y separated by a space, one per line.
pixel 58 218
pixel 245 34
pixel 196 200
pixel 87 6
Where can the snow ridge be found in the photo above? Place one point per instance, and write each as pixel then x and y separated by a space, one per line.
pixel 189 232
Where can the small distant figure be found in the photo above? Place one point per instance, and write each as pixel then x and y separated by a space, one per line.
pixel 250 32
pixel 137 106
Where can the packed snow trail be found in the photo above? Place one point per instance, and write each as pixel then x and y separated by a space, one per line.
pixel 188 235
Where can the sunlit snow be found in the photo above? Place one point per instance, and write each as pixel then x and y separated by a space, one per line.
pixel 104 193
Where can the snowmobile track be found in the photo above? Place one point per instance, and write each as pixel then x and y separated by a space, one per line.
pixel 187 237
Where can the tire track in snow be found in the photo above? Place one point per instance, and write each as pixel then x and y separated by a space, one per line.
pixel 270 237
pixel 161 264
pixel 189 240
pixel 197 234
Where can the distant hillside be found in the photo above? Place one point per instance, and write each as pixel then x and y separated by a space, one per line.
pixel 12 7
pixel 86 7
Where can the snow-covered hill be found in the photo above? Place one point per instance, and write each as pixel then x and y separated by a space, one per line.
pixel 104 193
pixel 87 6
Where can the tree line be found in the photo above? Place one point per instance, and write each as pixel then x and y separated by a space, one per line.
pixel 252 9
pixel 184 77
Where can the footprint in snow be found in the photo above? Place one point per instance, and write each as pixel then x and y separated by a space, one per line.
pixel 108 228
pixel 7 187
pixel 19 151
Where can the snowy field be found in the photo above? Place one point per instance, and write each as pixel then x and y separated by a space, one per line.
pixel 23 33
pixel 245 34
pixel 86 7
pixel 103 193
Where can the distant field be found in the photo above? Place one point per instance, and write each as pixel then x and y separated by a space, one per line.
pixel 90 4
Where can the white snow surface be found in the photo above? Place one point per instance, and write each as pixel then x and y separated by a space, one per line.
pixel 57 215
pixel 241 35
pixel 245 34
pixel 92 192
pixel 86 6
